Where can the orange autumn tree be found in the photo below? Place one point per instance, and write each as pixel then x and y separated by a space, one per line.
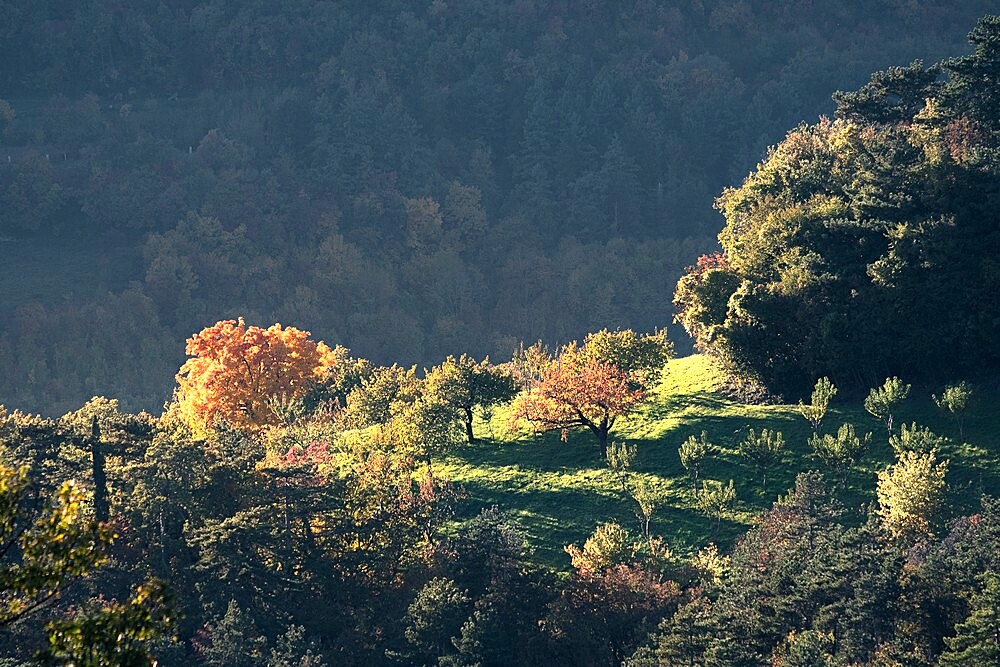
pixel 593 385
pixel 236 371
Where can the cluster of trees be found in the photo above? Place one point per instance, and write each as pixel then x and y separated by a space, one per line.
pixel 814 584
pixel 286 509
pixel 287 506
pixel 911 492
pixel 409 179
pixel 590 385
pixel 866 245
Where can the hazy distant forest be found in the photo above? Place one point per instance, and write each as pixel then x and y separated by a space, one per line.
pixel 406 179
pixel 735 265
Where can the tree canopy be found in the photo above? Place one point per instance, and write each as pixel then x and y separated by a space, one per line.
pixel 594 384
pixel 236 371
pixel 410 180
pixel 863 245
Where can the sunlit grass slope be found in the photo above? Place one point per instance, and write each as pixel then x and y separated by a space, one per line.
pixel 561 490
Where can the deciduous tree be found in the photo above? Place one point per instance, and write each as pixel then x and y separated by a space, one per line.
pixel 762 451
pixel 693 452
pixel 118 633
pixel 609 545
pixel 465 384
pixel 816 410
pixel 594 384
pixel 621 456
pixel 385 392
pixel 601 617
pixel 235 370
pixel 883 401
pixel 955 401
pixel 715 499
pixel 841 451
pixel 647 500
pixel 911 495
pixel 45 544
pixel 914 438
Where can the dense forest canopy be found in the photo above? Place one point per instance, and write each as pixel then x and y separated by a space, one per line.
pixel 455 178
pixel 866 245
pixel 405 179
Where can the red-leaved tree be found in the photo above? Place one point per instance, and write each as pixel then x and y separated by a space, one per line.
pixel 595 384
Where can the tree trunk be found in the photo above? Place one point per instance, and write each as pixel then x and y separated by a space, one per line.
pixel 287 531
pixel 163 546
pixel 468 426
pixel 101 511
pixel 602 439
pixel 307 531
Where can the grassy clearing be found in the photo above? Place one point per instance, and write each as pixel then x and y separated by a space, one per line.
pixel 561 490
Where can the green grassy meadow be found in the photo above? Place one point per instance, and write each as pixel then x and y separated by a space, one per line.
pixel 560 491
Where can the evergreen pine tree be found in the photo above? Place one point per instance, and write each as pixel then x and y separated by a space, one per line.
pixel 977 639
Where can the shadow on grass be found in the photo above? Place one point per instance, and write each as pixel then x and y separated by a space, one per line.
pixel 555 516
pixel 561 490
pixel 702 401
pixel 544 452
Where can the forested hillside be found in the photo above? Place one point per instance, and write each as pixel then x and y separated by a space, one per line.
pixel 596 505
pixel 409 189
pixel 866 245
pixel 405 179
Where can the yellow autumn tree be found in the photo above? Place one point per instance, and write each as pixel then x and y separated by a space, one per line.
pixel 236 371
pixel 911 495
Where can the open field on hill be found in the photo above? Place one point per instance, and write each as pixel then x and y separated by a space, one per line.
pixel 561 490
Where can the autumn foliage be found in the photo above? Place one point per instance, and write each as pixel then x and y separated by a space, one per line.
pixel 235 371
pixel 594 384
pixel 580 393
